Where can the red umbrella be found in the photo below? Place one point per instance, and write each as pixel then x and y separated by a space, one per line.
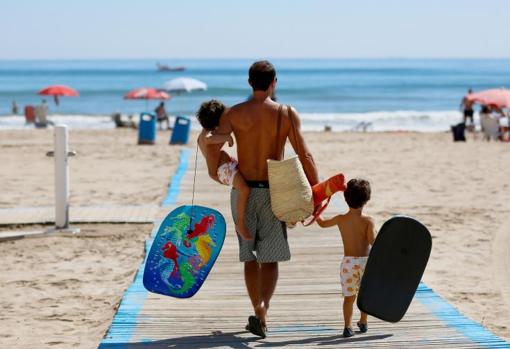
pixel 58 90
pixel 498 97
pixel 147 93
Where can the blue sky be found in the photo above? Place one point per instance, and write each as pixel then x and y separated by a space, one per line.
pixel 35 29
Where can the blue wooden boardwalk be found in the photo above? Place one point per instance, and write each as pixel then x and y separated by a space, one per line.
pixel 306 308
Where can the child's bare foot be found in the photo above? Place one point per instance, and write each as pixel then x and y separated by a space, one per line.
pixel 243 232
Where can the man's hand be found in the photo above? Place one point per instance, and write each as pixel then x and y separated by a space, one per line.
pixel 230 141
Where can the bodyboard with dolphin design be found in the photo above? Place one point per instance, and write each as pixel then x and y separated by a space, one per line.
pixel 183 252
pixel 394 268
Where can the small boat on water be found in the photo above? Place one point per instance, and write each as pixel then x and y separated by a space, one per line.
pixel 166 68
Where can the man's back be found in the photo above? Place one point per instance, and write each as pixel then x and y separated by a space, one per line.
pixel 254 124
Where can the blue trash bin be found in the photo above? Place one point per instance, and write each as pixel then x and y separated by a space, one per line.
pixel 180 133
pixel 147 129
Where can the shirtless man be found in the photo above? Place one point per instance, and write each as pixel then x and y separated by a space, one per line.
pixel 467 107
pixel 254 124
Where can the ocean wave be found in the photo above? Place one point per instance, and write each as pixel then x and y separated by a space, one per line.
pixel 408 120
pixel 72 121
pixel 405 120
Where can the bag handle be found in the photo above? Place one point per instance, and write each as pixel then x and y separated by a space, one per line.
pixel 317 212
pixel 278 128
pixel 293 128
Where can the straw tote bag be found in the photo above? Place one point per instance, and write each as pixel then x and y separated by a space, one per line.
pixel 291 194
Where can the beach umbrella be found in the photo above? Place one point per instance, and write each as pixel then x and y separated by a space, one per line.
pixel 58 90
pixel 181 85
pixel 147 93
pixel 498 97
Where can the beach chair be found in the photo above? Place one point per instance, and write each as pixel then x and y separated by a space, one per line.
pixel 117 119
pixel 119 122
pixel 40 117
pixel 490 127
pixel 29 114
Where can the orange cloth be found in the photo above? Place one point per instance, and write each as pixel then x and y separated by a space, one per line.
pixel 327 188
pixel 322 193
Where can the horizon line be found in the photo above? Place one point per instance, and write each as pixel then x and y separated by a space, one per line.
pixel 248 58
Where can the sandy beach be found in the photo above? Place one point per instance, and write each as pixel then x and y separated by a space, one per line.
pixel 62 291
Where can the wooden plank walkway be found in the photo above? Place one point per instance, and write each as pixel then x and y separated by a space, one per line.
pixel 81 214
pixel 305 311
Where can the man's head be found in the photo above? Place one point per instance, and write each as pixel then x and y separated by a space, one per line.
pixel 357 193
pixel 470 91
pixel 210 113
pixel 262 75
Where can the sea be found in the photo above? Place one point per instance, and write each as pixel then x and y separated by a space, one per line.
pixel 344 94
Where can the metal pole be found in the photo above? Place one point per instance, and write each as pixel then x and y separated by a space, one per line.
pixel 61 178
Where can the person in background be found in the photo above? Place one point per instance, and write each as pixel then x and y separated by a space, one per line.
pixel 499 111
pixel 484 110
pixel 162 116
pixel 489 123
pixel 467 108
pixel 44 108
pixel 41 113
pixel 14 108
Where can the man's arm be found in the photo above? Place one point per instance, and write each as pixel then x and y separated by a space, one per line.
pixel 301 149
pixel 326 223
pixel 371 232
pixel 218 139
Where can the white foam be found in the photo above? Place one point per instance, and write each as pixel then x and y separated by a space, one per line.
pixel 72 121
pixel 404 120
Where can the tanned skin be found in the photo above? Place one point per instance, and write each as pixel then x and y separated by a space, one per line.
pixel 254 124
pixel 358 234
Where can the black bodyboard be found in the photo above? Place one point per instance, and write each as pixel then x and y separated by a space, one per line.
pixel 394 268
